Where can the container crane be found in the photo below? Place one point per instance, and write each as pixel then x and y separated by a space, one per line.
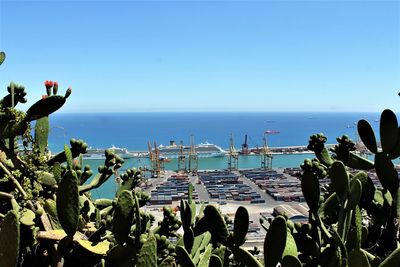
pixel 233 156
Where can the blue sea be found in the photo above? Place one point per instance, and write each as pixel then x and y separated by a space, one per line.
pixel 134 130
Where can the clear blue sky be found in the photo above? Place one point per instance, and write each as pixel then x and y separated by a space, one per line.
pixel 206 55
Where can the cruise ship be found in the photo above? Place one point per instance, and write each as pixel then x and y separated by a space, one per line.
pixel 204 150
pixel 98 153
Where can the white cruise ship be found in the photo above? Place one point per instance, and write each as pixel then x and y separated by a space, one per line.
pixel 204 150
pixel 98 153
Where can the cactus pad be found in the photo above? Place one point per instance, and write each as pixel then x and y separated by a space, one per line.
pixel 99 248
pixel 240 225
pixel 311 190
pixel 123 216
pixel 215 261
pixel 388 131
pixel 386 172
pixel 2 57
pixel 367 135
pixel 340 179
pixel 45 107
pixel 275 242
pixel 42 133
pixel 9 240
pixel 216 224
pixel 68 203
pixel 245 257
pixel 148 253
pixel 27 218
pixel 183 257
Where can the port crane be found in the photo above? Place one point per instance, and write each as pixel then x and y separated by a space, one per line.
pixel 193 157
pixel 181 159
pixel 156 163
pixel 266 155
pixel 233 156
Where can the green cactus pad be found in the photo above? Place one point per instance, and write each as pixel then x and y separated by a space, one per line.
pixel 188 239
pixel 148 253
pixel 200 227
pixel 45 107
pixel 245 257
pixel 9 240
pixel 216 224
pixel 9 130
pixel 51 209
pixel 196 244
pixel 103 202
pixel 57 171
pixel 392 260
pixel 330 207
pixel 240 225
pixel 290 261
pixel 386 172
pixel 357 258
pixel 324 157
pixel 27 218
pixel 46 178
pixel 2 57
pixel 68 155
pixel 205 258
pixel 311 190
pixel 99 248
pixel 123 216
pixel 275 242
pixel 290 247
pixel 367 135
pixel 388 131
pixel 68 203
pixel 355 194
pixel 215 261
pixel 358 227
pixel 357 162
pixel 205 241
pixel 42 133
pixel 190 193
pixel 120 255
pixel 183 257
pixel 340 179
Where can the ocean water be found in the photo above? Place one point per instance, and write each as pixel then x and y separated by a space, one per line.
pixel 134 130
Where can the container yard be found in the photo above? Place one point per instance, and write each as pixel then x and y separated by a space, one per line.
pixel 278 185
pixel 173 189
pixel 226 185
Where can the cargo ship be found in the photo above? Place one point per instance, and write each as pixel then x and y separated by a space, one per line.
pixel 204 150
